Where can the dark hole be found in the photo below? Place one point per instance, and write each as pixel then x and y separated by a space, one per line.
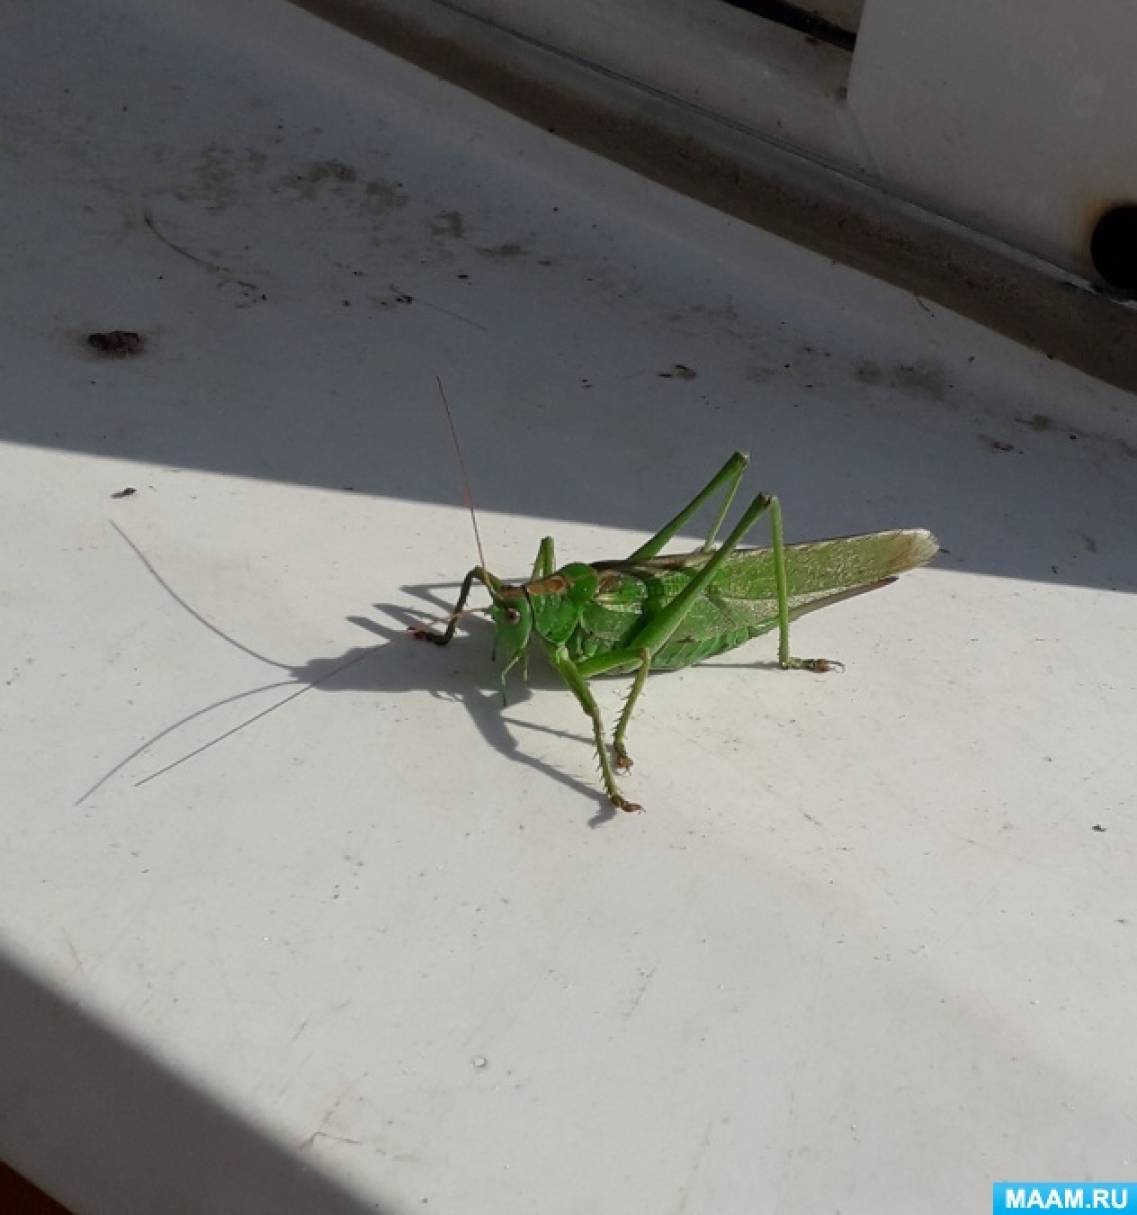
pixel 1113 247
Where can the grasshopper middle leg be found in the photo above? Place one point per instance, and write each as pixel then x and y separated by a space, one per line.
pixel 570 673
pixel 623 759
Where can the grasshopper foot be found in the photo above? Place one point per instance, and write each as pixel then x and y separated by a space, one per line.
pixel 820 665
pixel 624 761
pixel 621 803
pixel 421 634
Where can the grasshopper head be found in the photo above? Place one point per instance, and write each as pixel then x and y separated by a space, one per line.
pixel 513 626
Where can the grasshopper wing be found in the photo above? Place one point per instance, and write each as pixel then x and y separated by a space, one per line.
pixel 741 601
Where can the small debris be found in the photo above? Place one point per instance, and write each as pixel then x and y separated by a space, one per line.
pixel 479 1061
pixel 1000 445
pixel 1099 828
pixel 128 492
pixel 118 343
pixel 679 371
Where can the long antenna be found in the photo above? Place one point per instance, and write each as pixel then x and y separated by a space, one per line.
pixel 462 471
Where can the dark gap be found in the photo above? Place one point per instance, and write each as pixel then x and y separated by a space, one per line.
pixel 1113 247
pixel 19 1197
pixel 799 19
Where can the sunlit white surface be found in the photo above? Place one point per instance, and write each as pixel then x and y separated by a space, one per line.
pixel 871 946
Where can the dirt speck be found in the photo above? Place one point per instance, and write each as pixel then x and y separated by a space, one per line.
pixel 128 492
pixel 117 343
pixel 923 378
pixel 306 179
pixel 867 372
pixel 384 196
pixel 507 251
pixel 679 371
pixel 395 297
pixel 1037 421
pixel 448 225
pixel 216 179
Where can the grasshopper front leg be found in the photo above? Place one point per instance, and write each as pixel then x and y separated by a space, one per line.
pixel 546 563
pixel 444 638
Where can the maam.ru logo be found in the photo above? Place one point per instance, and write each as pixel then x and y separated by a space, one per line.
pixel 1064 1196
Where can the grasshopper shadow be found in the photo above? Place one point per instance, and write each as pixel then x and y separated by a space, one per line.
pixel 460 673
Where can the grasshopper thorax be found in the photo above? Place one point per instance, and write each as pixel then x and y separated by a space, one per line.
pixel 558 600
pixel 549 607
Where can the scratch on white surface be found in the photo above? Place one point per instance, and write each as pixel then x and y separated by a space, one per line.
pixel 222 973
pixel 804 1054
pixel 334 1138
pixel 645 982
pixel 319 1132
pixel 696 1160
pixel 447 312
pixel 335 1008
pixel 74 953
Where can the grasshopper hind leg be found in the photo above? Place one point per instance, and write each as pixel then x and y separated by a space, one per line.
pixel 785 660
pixel 820 665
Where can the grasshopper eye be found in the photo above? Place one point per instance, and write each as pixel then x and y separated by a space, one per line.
pixel 512 615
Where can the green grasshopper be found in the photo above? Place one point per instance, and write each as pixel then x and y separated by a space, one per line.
pixel 661 613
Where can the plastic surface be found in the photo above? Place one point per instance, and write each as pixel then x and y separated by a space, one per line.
pixel 293 915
